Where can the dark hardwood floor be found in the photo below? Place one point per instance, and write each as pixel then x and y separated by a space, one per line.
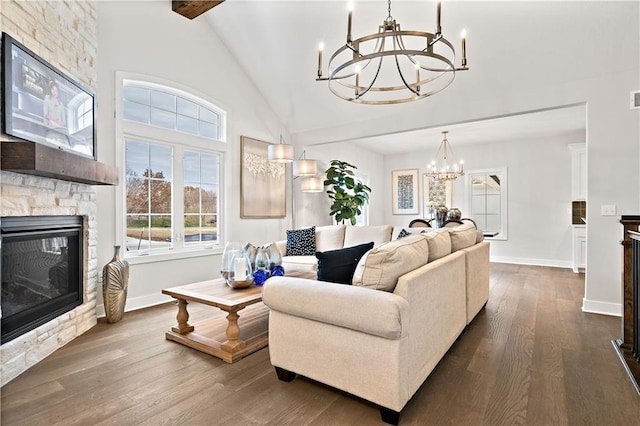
pixel 532 358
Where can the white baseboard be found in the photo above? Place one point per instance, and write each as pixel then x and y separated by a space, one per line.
pixel 138 303
pixel 603 308
pixel 533 262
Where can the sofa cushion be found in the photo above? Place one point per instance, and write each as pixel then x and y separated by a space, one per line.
pixel 439 243
pixel 462 236
pixel 337 266
pixel 301 242
pixel 355 235
pixel 300 263
pixel 330 237
pixel 381 267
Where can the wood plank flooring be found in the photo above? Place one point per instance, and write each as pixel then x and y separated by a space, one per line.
pixel 532 357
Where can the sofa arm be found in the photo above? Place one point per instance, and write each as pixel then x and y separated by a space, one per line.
pixel 374 312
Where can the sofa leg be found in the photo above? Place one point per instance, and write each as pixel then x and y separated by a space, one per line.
pixel 285 375
pixel 389 416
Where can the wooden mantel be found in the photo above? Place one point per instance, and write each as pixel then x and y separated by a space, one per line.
pixel 41 160
pixel 193 8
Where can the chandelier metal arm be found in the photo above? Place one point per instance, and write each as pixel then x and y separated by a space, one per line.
pixel 373 81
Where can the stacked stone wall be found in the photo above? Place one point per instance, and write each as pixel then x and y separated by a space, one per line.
pixel 63 33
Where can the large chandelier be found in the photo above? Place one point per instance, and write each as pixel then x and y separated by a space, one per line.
pixel 447 169
pixel 418 64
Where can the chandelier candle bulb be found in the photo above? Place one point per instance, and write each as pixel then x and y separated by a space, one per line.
pixel 320 49
pixel 464 47
pixel 350 9
pixel 438 17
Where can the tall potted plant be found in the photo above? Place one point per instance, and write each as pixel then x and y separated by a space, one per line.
pixel 347 193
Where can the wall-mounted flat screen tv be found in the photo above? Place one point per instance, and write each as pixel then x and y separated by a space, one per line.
pixel 43 105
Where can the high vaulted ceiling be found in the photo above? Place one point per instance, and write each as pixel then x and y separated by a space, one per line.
pixel 276 42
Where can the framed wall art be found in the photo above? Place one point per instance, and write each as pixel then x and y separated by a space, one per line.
pixel 262 182
pixel 42 105
pixel 404 190
pixel 436 191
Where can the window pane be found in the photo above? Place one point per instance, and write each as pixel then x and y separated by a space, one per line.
pixel 208 130
pixel 209 168
pixel 209 228
pixel 160 196
pixel 163 119
pixel 137 233
pixel 191 167
pixel 160 162
pixel 191 198
pixel 161 232
pixel 136 94
pixel 187 125
pixel 137 158
pixel 137 195
pixel 187 108
pixel 136 112
pixel 163 101
pixel 191 228
pixel 208 115
pixel 209 198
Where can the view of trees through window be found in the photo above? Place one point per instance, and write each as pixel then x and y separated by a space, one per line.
pixel 172 179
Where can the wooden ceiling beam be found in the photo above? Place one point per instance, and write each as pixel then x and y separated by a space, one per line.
pixel 193 8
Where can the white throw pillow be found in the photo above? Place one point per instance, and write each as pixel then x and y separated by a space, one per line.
pixel 439 243
pixel 329 237
pixel 381 266
pixel 356 235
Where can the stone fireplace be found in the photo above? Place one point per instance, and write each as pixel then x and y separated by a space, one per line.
pixel 25 195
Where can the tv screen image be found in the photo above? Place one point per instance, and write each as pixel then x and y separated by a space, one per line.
pixel 43 105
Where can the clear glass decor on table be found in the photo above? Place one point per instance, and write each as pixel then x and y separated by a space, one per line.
pixel 235 267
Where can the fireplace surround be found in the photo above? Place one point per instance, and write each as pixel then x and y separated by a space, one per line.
pixel 42 273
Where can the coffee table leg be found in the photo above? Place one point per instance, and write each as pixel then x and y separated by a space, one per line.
pixel 183 326
pixel 233 343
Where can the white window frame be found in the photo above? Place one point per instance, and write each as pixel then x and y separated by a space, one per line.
pixel 143 132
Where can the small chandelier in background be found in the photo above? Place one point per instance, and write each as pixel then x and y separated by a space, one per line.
pixel 419 64
pixel 448 169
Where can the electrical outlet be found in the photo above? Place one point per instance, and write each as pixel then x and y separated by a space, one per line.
pixel 608 210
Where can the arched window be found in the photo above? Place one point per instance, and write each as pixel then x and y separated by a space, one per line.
pixel 173 146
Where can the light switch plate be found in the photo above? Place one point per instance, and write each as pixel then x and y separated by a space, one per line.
pixel 608 210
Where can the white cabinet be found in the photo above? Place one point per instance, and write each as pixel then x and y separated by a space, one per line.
pixel 578 171
pixel 579 248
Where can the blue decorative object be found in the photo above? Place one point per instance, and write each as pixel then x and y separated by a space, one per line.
pixel 277 271
pixel 260 276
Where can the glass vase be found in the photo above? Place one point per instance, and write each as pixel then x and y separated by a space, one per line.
pixel 235 267
pixel 262 259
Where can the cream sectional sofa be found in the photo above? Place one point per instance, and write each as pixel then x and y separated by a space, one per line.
pixel 379 345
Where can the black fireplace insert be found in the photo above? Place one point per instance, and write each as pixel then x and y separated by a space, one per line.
pixel 41 271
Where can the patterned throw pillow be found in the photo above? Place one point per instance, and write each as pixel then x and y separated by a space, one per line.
pixel 403 234
pixel 301 242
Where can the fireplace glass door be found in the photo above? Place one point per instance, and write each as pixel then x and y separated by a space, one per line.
pixel 41 271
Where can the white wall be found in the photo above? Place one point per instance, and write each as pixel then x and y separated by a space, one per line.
pixel 545 55
pixel 148 38
pixel 539 194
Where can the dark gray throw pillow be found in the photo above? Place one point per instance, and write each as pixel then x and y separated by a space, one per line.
pixel 301 242
pixel 338 266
